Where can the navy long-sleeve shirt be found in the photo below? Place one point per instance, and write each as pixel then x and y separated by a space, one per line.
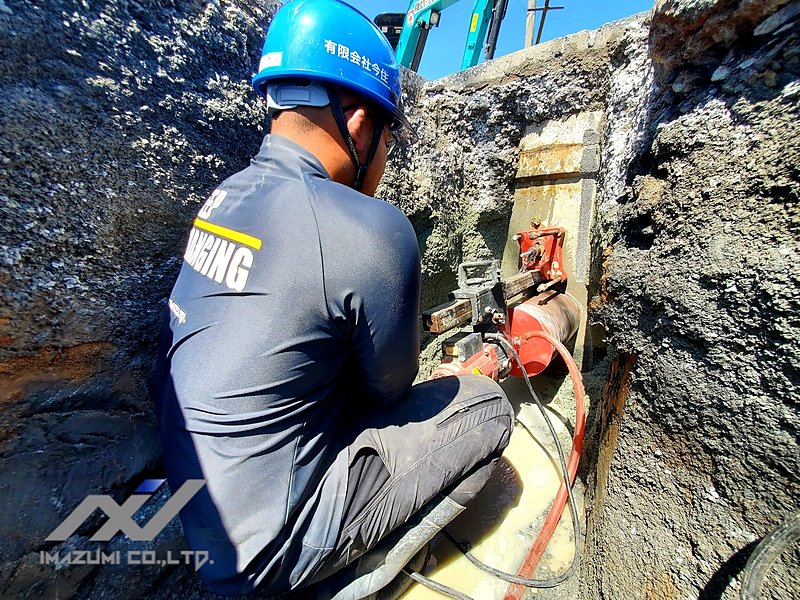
pixel 297 302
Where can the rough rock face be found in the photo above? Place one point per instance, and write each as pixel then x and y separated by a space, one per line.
pixel 701 292
pixel 116 118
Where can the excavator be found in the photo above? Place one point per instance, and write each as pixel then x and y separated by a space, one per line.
pixel 407 32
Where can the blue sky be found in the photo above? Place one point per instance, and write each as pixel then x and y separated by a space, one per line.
pixel 445 46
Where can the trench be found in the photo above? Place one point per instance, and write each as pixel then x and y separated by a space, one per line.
pixel 666 146
pixel 607 136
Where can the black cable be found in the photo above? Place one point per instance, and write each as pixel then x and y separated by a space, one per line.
pixel 436 586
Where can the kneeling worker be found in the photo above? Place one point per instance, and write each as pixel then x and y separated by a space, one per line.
pixel 285 371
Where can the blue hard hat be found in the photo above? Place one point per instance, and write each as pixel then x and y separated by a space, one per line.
pixel 331 42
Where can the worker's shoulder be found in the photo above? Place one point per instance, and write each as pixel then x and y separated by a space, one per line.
pixel 360 211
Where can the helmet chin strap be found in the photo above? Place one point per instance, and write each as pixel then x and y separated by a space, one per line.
pixel 341 123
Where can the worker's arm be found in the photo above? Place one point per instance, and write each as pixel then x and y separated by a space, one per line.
pixel 372 284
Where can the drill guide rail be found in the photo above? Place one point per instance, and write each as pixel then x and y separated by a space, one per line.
pixel 458 312
pixel 542 268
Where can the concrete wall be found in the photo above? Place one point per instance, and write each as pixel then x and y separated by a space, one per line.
pixel 118 117
pixel 461 182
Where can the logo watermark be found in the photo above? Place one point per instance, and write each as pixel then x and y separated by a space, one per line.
pixel 120 519
pixel 129 557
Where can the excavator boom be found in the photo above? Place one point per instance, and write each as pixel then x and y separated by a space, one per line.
pixel 424 14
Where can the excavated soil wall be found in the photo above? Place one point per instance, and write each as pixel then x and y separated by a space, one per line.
pixel 699 296
pixel 119 117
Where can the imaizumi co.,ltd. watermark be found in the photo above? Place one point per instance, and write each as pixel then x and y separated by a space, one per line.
pixel 120 519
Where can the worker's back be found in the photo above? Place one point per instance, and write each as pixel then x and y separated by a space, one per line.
pixel 286 274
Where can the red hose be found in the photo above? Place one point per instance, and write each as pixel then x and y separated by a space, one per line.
pixel 531 561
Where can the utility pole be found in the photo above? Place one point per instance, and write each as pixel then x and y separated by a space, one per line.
pixel 530 23
pixel 530 17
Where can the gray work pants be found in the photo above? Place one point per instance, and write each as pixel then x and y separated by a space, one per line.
pixel 445 437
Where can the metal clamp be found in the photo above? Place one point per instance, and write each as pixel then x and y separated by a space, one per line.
pixel 493 271
pixel 484 293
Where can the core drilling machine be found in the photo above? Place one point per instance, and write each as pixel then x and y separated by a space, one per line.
pixel 517 313
pixel 518 325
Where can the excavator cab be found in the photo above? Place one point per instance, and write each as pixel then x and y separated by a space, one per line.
pixel 391 24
